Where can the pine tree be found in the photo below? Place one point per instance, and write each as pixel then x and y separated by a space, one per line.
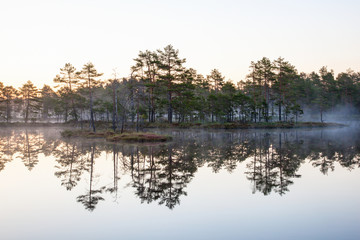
pixel 216 79
pixel 69 80
pixel 265 75
pixel 89 76
pixel 286 74
pixel 9 94
pixel 171 69
pixel 146 69
pixel 48 98
pixel 29 94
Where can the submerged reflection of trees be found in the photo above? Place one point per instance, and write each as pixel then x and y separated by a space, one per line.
pixel 160 173
pixel 7 146
pixel 274 164
pixel 25 144
pixel 92 196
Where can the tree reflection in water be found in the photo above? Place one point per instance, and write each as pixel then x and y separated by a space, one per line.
pixel 161 172
pixel 71 164
pixel 114 188
pixel 25 145
pixel 93 196
pixel 7 148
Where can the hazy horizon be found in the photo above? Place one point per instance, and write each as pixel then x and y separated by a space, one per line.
pixel 39 37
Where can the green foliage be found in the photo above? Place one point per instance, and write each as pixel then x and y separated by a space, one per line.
pixel 31 100
pixel 160 88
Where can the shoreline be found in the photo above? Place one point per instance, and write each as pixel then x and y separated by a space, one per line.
pixel 261 125
pixel 111 136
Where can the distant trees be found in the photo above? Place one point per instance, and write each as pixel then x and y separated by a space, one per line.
pixel 90 76
pixel 146 69
pixel 348 84
pixel 264 74
pixel 8 95
pixel 171 68
pixel 113 88
pixel 160 88
pixel 284 92
pixel 31 100
pixel 68 78
pixel 48 98
pixel 216 79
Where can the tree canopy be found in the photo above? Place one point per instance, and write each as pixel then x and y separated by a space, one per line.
pixel 160 88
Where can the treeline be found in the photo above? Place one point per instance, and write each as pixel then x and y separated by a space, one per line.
pixel 161 89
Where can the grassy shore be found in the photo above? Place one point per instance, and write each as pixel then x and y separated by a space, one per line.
pixel 117 137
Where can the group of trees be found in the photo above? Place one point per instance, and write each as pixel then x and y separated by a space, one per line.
pixel 161 88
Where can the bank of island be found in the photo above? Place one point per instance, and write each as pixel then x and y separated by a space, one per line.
pixel 112 136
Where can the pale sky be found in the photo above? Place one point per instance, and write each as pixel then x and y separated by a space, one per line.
pixel 38 37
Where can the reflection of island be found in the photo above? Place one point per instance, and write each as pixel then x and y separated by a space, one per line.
pixel 160 173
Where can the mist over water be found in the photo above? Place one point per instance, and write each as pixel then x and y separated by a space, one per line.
pixel 345 114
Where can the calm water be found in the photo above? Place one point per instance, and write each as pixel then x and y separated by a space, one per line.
pixel 253 184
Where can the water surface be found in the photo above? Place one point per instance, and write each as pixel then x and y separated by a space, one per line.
pixel 243 184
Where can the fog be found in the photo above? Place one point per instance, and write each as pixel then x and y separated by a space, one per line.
pixel 345 114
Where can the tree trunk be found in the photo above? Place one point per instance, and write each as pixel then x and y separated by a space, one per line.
pixel 27 111
pixel 152 118
pixel 169 108
pixel 280 111
pixel 321 115
pixel 117 111
pixel 259 115
pixel 73 107
pixel 137 115
pixel 114 117
pixel 8 112
pixel 123 123
pixel 92 112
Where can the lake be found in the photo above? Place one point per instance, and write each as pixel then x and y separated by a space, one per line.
pixel 216 184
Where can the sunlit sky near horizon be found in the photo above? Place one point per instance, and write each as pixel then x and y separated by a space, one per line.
pixel 38 37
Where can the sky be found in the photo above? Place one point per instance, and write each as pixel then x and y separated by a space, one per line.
pixel 38 37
